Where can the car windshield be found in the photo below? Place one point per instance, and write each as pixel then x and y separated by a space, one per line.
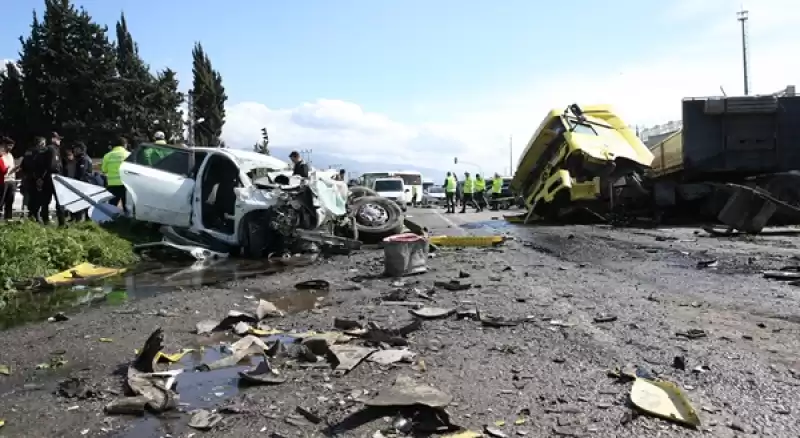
pixel 389 185
pixel 410 179
pixel 435 190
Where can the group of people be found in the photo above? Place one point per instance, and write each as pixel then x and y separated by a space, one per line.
pixel 34 173
pixel 43 160
pixel 472 191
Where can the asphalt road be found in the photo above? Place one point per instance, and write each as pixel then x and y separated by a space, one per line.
pixel 592 298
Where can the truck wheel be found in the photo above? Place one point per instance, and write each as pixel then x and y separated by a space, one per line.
pixel 376 217
pixel 359 192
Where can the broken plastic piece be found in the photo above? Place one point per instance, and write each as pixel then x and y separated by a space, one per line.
pixel 467 241
pixel 406 392
pixel 664 400
pixel 262 374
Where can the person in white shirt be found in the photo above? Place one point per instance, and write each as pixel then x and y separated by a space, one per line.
pixel 9 186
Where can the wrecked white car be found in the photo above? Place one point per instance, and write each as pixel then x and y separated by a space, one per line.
pixel 246 201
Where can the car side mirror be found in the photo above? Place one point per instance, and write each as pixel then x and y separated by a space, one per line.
pixel 407 190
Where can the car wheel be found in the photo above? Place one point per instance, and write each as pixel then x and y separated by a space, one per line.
pixel 376 218
pixel 359 192
pixel 256 238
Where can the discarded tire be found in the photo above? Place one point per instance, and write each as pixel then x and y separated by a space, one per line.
pixel 376 218
pixel 360 192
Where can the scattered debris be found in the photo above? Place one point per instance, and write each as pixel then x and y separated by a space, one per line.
pixel 692 334
pixel 313 285
pixel 247 346
pixel 707 264
pixel 204 420
pixel 664 400
pixel 405 254
pixel 388 357
pixel 452 285
pixel 58 317
pixel 5 370
pixel 406 392
pixel 149 389
pixel 604 317
pixel 262 374
pixel 267 309
pixel 78 388
pixel 679 362
pixel 433 312
pixel 348 357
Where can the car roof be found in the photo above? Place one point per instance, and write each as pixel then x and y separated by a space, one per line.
pixel 389 178
pixel 246 159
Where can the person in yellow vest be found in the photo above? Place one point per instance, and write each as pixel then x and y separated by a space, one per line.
pixel 469 192
pixel 450 193
pixel 480 191
pixel 159 138
pixel 110 167
pixel 497 188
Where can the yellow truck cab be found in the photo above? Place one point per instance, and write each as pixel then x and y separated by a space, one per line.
pixel 581 157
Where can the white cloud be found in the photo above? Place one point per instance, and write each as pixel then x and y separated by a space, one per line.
pixel 647 89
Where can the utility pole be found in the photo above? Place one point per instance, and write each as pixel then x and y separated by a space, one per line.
pixel 743 16
pixel 190 110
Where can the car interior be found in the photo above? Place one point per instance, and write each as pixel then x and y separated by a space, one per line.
pixel 219 200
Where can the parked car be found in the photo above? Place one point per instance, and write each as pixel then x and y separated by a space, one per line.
pixel 434 196
pixel 245 200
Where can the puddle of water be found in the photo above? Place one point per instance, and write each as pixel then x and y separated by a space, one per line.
pixel 498 224
pixel 145 280
pixel 196 389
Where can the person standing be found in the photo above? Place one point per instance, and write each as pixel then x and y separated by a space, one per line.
pixel 300 166
pixel 469 190
pixel 46 163
pixel 450 193
pixel 159 138
pixel 480 191
pixel 497 189
pixel 77 166
pixel 8 170
pixel 414 195
pixel 110 167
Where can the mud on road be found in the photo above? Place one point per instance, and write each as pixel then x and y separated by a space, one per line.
pixel 549 374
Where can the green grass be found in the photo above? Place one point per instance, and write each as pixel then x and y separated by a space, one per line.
pixel 30 250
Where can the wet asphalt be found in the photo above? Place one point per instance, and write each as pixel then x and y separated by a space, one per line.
pixel 545 377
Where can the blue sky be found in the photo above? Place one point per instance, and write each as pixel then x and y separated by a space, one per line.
pixel 429 79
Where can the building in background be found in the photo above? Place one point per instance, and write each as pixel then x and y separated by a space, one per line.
pixel 654 135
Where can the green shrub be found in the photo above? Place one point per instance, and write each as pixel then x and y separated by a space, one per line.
pixel 28 249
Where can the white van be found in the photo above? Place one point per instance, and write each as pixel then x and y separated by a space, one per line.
pixel 391 188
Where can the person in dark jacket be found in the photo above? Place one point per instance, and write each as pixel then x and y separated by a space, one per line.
pixel 46 163
pixel 300 166
pixel 78 166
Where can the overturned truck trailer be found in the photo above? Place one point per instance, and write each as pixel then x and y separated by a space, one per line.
pixel 735 160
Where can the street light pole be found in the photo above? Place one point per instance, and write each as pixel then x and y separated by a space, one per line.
pixel 510 155
pixel 190 110
pixel 743 16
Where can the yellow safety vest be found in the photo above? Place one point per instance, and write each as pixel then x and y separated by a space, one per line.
pixel 497 185
pixel 451 184
pixel 111 163
pixel 469 186
pixel 480 185
pixel 160 142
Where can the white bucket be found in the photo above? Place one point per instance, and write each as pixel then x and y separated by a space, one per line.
pixel 405 254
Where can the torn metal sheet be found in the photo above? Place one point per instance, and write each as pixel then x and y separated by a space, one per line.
pixel 75 195
pixel 349 356
pixel 198 252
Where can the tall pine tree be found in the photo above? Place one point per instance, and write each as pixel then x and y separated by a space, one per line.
pixel 69 77
pixel 13 107
pixel 209 99
pixel 167 102
pixel 137 86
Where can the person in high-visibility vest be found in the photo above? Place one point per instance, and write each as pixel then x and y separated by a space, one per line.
pixel 159 138
pixel 480 191
pixel 110 167
pixel 450 193
pixel 469 191
pixel 497 188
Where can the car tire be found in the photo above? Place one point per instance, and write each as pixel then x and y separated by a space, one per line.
pixel 256 233
pixel 369 233
pixel 360 192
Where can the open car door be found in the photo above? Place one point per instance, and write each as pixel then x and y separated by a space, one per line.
pixel 160 189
